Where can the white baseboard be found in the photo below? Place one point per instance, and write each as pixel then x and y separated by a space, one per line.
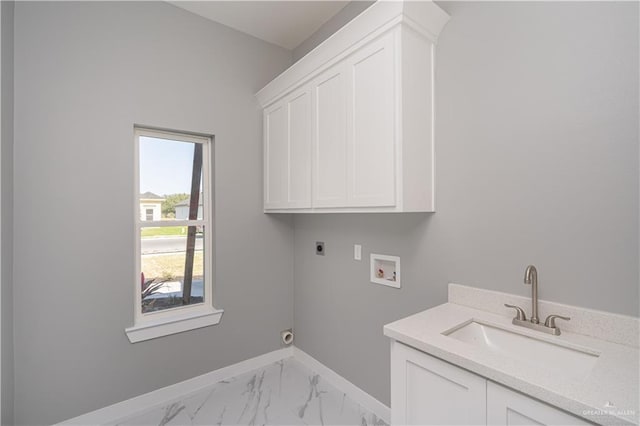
pixel 157 398
pixel 352 391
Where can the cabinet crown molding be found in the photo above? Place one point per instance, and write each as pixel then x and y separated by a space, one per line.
pixel 423 16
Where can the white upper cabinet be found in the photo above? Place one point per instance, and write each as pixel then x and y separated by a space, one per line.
pixel 276 157
pixel 349 127
pixel 372 125
pixel 330 138
pixel 287 153
pixel 299 166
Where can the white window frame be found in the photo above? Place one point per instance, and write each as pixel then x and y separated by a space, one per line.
pixel 151 325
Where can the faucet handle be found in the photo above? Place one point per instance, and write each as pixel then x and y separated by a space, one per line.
pixel 520 315
pixel 551 320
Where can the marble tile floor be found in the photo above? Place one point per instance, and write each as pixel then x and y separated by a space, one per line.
pixel 283 393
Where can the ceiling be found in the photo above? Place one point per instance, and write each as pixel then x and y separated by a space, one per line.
pixel 284 23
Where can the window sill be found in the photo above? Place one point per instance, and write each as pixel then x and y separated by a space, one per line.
pixel 176 324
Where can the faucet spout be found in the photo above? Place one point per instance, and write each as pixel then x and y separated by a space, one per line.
pixel 531 277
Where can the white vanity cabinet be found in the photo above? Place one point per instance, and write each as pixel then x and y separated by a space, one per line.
pixel 349 127
pixel 508 407
pixel 428 391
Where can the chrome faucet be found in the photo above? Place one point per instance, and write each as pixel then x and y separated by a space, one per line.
pixel 531 277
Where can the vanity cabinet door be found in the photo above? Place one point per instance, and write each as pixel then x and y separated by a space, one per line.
pixel 508 407
pixel 428 391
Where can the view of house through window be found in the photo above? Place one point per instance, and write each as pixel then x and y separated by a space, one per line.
pixel 173 220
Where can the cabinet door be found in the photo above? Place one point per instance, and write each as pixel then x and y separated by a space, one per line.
pixel 288 152
pixel 372 124
pixel 276 157
pixel 299 161
pixel 330 138
pixel 428 391
pixel 508 407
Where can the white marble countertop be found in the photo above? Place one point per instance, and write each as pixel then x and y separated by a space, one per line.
pixel 613 379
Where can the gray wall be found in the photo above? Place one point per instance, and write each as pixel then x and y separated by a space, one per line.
pixel 6 192
pixel 350 11
pixel 537 162
pixel 85 73
pixel 537 153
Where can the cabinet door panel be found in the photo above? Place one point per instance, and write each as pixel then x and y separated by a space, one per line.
pixel 429 391
pixel 508 407
pixel 330 165
pixel 276 155
pixel 372 120
pixel 299 161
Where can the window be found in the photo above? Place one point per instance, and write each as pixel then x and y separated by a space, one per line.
pixel 173 243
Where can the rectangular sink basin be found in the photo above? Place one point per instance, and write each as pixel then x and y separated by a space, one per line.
pixel 571 362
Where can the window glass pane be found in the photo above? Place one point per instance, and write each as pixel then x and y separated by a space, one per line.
pixel 169 265
pixel 166 172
